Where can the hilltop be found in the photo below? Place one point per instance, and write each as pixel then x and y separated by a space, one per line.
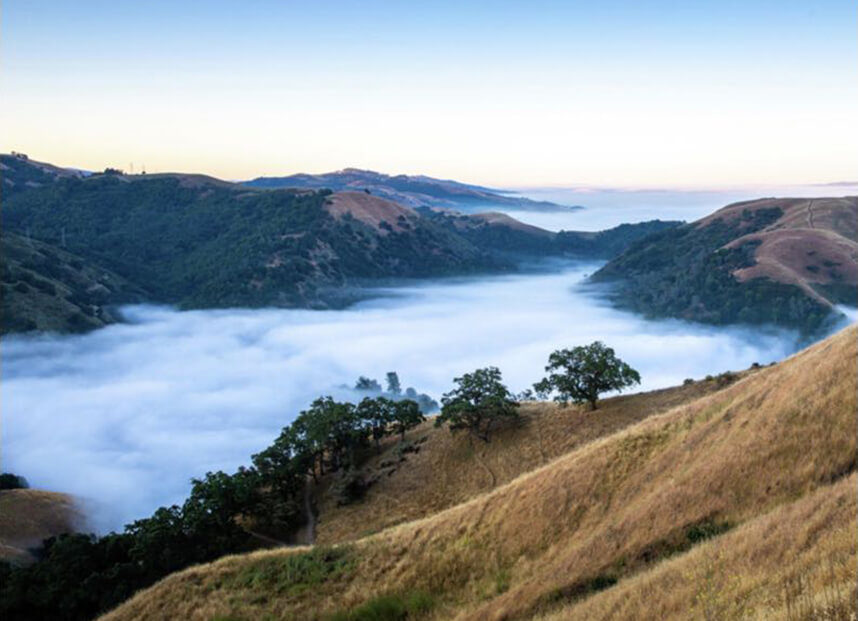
pixel 412 191
pixel 199 242
pixel 28 516
pixel 737 500
pixel 786 262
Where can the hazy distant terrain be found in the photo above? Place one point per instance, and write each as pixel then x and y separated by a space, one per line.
pixel 414 191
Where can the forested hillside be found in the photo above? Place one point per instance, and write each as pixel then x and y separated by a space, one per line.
pixel 46 288
pixel 198 242
pixel 781 261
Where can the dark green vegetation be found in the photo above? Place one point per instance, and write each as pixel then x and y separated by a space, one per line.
pixel 20 173
pixel 197 242
pixel 687 272
pixel 390 607
pixel 505 236
pixel 298 572
pixel 479 403
pixel 394 391
pixel 414 191
pixel 79 576
pixel 582 373
pixel 12 481
pixel 47 288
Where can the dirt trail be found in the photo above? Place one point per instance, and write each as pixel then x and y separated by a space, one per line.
pixel 308 511
pixel 483 463
pixel 810 214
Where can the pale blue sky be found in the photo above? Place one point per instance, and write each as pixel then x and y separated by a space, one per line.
pixel 609 92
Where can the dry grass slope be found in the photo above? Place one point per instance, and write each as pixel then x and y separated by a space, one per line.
pixel 451 469
pixel 769 459
pixel 28 516
pixel 814 242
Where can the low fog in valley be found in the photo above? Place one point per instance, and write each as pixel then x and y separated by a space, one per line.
pixel 126 415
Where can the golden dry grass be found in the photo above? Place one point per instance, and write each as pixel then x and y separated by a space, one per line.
pixel 815 241
pixel 751 572
pixel 450 469
pixel 27 516
pixel 772 456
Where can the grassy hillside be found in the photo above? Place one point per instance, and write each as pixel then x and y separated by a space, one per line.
pixel 779 261
pixel 721 505
pixel 46 288
pixel 438 470
pixel 28 516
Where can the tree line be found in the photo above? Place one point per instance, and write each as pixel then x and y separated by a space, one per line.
pixel 79 576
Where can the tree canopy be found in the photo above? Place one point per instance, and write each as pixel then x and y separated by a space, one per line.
pixel 583 373
pixel 478 403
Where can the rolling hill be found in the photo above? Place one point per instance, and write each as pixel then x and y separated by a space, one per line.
pixel 786 262
pixel 28 516
pixel 413 191
pixel 736 501
pixel 199 242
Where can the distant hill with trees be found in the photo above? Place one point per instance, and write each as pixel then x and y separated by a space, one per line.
pixel 198 242
pixel 785 262
pixel 410 190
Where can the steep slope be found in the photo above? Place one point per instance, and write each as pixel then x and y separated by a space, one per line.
pixel 48 289
pixel 435 470
pixel 413 191
pixel 763 467
pixel 28 516
pixel 780 261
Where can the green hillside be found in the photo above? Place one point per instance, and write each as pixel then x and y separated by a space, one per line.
pixel 198 242
pixel 46 288
pixel 785 262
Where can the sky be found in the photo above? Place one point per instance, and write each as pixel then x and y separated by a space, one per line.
pixel 612 92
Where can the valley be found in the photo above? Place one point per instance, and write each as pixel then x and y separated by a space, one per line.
pixel 591 532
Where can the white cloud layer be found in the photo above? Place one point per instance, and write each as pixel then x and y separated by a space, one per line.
pixel 124 416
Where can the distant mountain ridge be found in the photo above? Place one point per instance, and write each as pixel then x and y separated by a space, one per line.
pixel 413 191
pixel 199 242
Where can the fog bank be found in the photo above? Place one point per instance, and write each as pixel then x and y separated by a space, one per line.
pixel 124 416
pixel 610 207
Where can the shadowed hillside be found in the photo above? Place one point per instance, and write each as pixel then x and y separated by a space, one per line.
pixel 46 288
pixel 781 261
pixel 198 242
pixel 740 492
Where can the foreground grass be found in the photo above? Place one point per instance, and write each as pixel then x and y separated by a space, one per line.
pixel 672 513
